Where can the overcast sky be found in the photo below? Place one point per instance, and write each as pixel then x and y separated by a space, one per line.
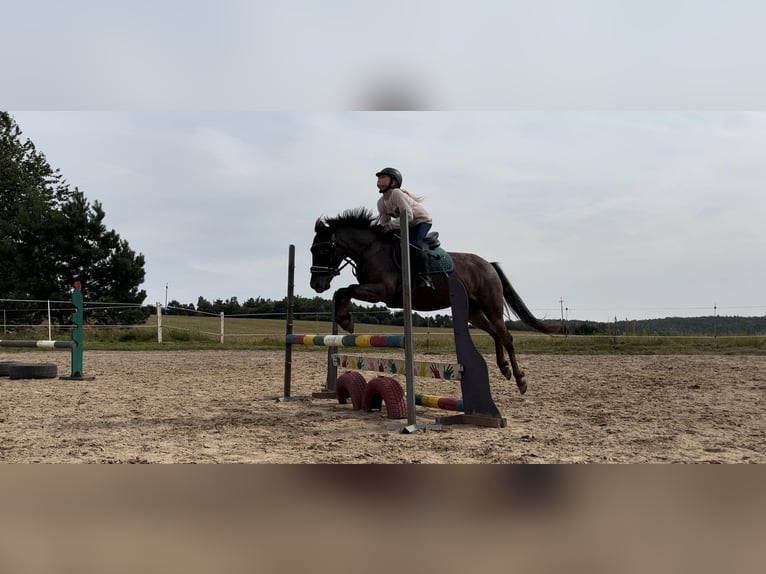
pixel 628 214
pixel 215 135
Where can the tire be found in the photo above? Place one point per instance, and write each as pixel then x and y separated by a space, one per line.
pixel 351 384
pixel 4 365
pixel 385 390
pixel 33 371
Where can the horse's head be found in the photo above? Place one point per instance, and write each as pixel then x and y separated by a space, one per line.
pixel 337 239
pixel 325 259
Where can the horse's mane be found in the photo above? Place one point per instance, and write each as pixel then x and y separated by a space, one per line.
pixel 357 218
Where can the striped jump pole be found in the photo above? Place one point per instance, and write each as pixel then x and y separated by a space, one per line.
pixel 437 402
pixel 38 344
pixel 346 340
pixel 75 345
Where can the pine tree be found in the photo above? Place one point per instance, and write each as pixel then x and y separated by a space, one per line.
pixel 52 236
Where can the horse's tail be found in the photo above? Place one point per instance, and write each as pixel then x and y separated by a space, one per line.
pixel 518 308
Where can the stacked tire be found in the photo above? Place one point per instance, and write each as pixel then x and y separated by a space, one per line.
pixel 373 395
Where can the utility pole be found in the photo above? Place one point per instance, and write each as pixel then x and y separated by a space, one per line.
pixel 166 295
pixel 715 321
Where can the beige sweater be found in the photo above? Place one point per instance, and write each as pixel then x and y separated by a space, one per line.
pixel 391 204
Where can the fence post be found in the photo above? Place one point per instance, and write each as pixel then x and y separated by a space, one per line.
pixel 159 322
pixel 332 370
pixel 221 327
pixel 289 325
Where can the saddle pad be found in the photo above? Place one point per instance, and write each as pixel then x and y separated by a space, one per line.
pixel 439 261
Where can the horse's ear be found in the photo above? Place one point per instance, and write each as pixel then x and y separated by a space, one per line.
pixel 319 225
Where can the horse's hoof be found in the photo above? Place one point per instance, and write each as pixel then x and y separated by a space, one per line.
pixel 523 387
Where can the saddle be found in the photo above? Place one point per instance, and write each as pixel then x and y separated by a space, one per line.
pixel 439 261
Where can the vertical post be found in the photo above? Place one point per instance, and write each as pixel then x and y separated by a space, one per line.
pixel 77 334
pixel 428 335
pixel 77 337
pixel 332 370
pixel 289 327
pixel 715 321
pixel 159 322
pixel 50 337
pixel 407 296
pixel 221 327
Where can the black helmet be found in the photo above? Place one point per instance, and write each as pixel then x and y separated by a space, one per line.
pixel 394 173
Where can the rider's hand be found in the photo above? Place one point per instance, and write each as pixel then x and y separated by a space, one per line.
pixel 386 228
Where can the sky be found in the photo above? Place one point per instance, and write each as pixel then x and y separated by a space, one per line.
pixel 619 214
pixel 611 156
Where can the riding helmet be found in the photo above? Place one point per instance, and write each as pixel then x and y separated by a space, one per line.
pixel 394 173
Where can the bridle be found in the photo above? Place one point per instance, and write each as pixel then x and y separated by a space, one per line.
pixel 328 248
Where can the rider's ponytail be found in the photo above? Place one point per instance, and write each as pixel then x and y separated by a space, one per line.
pixel 418 199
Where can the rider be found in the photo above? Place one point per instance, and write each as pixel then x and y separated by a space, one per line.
pixel 390 205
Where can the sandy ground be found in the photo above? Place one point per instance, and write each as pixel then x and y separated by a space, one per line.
pixel 213 407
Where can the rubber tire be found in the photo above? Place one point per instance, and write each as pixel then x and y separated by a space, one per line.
pixel 4 365
pixel 351 384
pixel 33 371
pixel 386 390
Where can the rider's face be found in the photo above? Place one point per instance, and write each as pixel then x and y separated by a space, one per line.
pixel 384 181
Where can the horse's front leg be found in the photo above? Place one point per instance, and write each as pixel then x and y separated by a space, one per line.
pixel 343 317
pixel 371 293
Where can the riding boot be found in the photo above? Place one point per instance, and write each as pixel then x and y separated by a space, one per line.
pixel 424 279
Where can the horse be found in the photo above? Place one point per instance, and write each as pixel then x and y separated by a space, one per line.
pixel 355 237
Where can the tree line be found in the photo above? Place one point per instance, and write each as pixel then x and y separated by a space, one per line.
pixel 675 326
pixel 668 326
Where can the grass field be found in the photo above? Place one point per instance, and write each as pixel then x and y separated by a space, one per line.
pixel 180 332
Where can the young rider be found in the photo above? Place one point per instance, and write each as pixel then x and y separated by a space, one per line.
pixel 392 202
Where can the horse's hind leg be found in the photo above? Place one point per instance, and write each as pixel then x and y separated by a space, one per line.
pixel 503 341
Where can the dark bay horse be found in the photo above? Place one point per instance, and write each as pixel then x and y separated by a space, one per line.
pixel 355 237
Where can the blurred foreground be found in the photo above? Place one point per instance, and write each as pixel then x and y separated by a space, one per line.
pixel 380 518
